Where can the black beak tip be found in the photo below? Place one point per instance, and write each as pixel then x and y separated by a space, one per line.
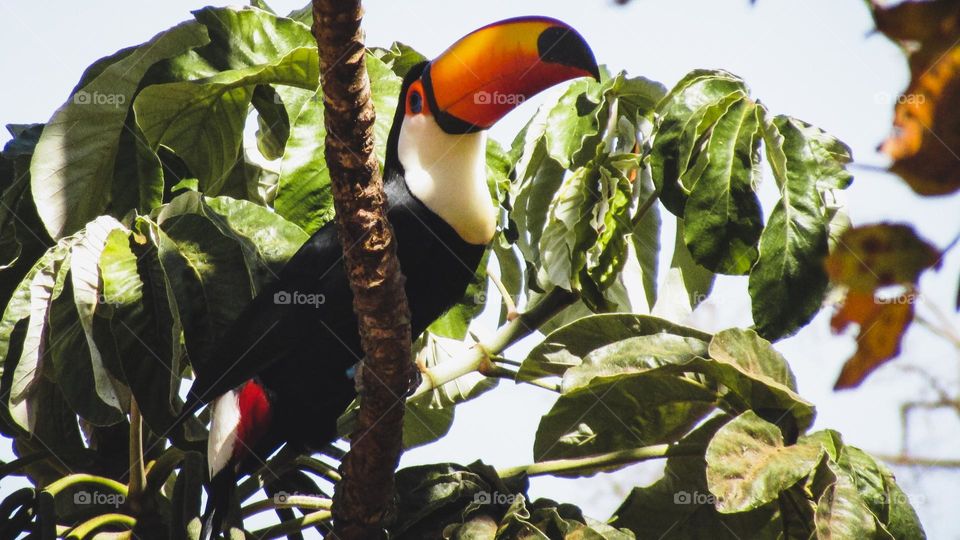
pixel 563 45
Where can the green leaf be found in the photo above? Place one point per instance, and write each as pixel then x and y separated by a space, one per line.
pixel 722 217
pixel 29 303
pixel 574 121
pixel 748 389
pixel 687 115
pixel 303 192
pixel 87 299
pixel 569 345
pixel 790 270
pixel 45 285
pixel 568 231
pixel 21 232
pixel 202 121
pixel 748 464
pixel 399 57
pixel 678 505
pixel 633 355
pixel 841 513
pixel 138 173
pixel 207 276
pixel 268 241
pixel 77 366
pixel 72 169
pixel 144 327
pixel 755 354
pixel 621 412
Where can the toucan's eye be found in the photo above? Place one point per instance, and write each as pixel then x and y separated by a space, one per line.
pixel 416 102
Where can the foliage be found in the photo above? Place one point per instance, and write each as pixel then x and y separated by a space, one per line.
pixel 148 222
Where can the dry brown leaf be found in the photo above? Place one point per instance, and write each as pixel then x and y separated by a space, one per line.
pixel 925 144
pixel 882 322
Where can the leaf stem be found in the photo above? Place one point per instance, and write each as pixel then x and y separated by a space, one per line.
pixel 138 476
pixel 86 528
pixel 293 525
pixel 82 478
pixel 601 462
pixel 305 502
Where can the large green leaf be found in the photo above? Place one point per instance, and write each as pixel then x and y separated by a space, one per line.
pixel 621 412
pixel 202 121
pixel 569 345
pixel 21 232
pixel 207 276
pixel 686 117
pixel 144 328
pixel 30 303
pixel 790 269
pixel 722 217
pixel 748 464
pixel 72 365
pixel 633 355
pixel 268 240
pixel 72 169
pixel 303 194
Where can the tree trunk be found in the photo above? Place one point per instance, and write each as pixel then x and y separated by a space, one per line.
pixel 364 498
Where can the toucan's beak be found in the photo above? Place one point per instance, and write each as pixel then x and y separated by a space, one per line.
pixel 486 74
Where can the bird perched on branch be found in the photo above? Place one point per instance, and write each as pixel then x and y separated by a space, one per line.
pixel 280 373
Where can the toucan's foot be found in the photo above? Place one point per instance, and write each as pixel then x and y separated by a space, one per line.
pixel 416 377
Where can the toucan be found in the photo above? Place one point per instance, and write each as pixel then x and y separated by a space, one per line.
pixel 280 374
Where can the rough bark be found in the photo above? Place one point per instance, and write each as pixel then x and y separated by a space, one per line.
pixel 364 499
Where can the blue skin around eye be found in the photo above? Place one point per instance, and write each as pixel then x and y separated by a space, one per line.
pixel 416 102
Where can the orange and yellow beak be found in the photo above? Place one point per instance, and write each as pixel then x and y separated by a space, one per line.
pixel 486 74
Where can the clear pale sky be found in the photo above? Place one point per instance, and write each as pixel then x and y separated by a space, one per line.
pixel 814 60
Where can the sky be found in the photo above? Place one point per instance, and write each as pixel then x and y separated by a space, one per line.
pixel 815 60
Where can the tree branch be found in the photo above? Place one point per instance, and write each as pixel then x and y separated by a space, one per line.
pixel 363 501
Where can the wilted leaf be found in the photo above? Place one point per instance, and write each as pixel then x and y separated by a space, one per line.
pixel 841 512
pixel 882 322
pixel 748 464
pixel 753 353
pixel 925 142
pixel 873 256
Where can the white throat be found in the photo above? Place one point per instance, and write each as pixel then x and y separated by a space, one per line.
pixel 448 173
